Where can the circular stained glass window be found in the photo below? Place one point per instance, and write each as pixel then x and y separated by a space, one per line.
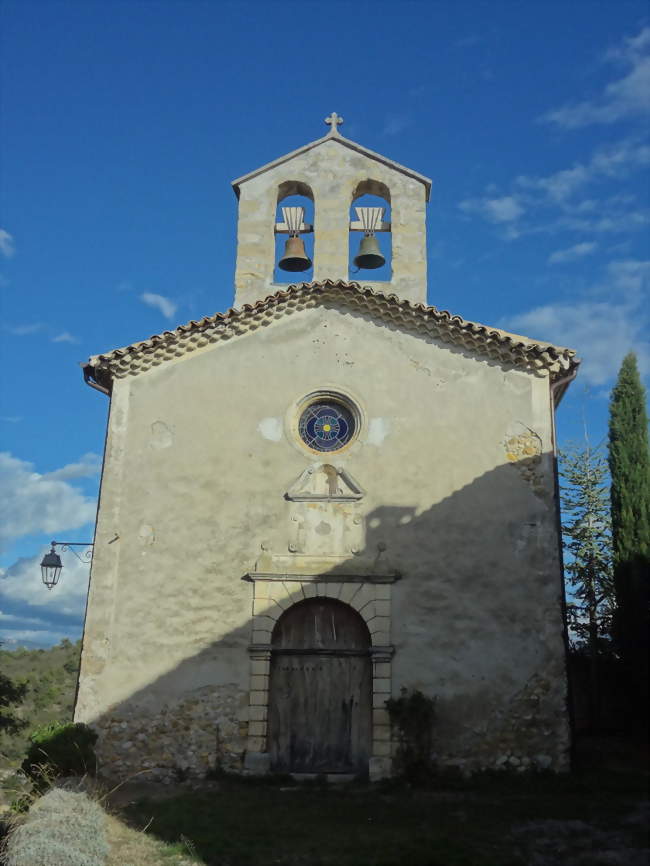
pixel 326 425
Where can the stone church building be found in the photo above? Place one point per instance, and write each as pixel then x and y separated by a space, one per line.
pixel 327 494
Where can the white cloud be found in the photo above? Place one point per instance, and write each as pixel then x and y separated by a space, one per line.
pixel 468 41
pixel 614 217
pixel 32 503
pixel 616 160
pixel 502 209
pixel 622 222
pixel 621 157
pixel 24 330
pixel 560 185
pixel 396 123
pixel 631 277
pixel 549 203
pixel 11 618
pixel 65 337
pixel 166 306
pixel 87 466
pixel 21 584
pixel 625 97
pixel 17 630
pixel 33 639
pixel 7 247
pixel 603 325
pixel 572 254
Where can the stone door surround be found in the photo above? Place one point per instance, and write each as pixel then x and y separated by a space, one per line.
pixel 370 596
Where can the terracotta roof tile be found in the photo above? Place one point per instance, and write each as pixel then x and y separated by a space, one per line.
pixel 511 349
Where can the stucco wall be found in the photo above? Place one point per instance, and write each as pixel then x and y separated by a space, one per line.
pixel 333 173
pixel 454 458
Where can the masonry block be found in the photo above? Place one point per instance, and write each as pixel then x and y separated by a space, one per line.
pixel 258 712
pixel 263 623
pixel 349 591
pixel 259 683
pixel 257 729
pixel 381 732
pixel 260 667
pixel 383 591
pixel 379 767
pixel 257 763
pixel 259 698
pixel 381 684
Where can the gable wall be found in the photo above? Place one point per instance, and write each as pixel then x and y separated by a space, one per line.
pixel 333 172
pixel 455 458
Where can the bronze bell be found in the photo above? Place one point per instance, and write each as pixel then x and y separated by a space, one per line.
pixel 295 257
pixel 369 256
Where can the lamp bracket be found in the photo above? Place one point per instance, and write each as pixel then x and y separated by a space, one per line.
pixel 84 556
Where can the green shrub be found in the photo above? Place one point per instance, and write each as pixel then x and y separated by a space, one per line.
pixel 63 828
pixel 60 749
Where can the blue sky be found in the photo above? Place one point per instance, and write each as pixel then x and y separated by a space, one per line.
pixel 124 123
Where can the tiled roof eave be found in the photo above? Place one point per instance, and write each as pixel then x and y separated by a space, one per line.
pixel 499 345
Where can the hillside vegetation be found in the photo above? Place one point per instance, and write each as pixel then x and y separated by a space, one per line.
pixel 51 679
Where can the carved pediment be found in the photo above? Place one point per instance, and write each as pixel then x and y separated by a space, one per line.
pixel 323 482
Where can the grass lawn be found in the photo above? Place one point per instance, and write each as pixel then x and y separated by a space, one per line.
pixel 488 821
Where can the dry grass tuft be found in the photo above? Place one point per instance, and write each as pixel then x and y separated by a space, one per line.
pixel 62 828
pixel 129 847
pixel 69 826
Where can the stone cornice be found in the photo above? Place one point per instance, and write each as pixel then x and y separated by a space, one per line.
pixel 332 577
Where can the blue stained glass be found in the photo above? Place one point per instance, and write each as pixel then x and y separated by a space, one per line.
pixel 326 426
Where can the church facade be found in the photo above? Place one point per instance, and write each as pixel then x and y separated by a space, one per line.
pixel 327 494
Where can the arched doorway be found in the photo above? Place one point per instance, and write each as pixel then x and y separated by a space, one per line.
pixel 320 690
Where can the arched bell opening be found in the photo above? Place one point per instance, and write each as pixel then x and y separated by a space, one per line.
pixel 370 244
pixel 320 689
pixel 294 233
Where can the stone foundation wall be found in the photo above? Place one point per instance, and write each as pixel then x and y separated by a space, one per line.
pixel 531 732
pixel 208 730
pixel 204 731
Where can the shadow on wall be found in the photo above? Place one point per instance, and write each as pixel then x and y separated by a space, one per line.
pixel 475 619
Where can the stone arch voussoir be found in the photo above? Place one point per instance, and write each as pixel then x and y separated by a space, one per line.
pixel 272 599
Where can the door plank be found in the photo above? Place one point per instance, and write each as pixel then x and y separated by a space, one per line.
pixel 319 702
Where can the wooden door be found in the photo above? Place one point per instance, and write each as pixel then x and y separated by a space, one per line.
pixel 320 690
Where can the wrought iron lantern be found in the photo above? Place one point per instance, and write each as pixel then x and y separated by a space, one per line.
pixel 51 566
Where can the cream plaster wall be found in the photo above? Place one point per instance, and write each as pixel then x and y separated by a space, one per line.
pixel 333 172
pixel 455 458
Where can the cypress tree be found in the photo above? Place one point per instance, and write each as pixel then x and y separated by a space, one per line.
pixel 629 466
